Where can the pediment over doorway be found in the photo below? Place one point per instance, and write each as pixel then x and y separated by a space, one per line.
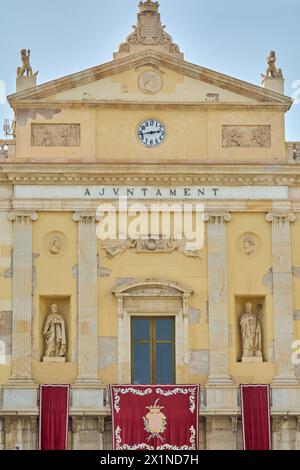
pixel 152 288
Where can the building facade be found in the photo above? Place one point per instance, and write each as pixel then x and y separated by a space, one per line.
pixel 148 306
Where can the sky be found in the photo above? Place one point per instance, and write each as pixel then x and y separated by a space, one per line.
pixel 230 36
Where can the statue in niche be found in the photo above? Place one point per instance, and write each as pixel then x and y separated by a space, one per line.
pixel 251 335
pixel 55 336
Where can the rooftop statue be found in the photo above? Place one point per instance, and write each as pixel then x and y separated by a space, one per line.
pixel 25 69
pixel 272 71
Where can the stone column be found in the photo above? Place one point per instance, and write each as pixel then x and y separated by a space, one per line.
pixel 22 296
pixel 1 433
pixel 282 295
pixel 217 298
pixel 87 298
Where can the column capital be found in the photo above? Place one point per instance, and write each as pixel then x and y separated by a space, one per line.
pixel 8 424
pixel 101 424
pixel 86 216
pixel 283 216
pixel 75 423
pixel 215 216
pixel 276 423
pixel 29 215
pixel 234 424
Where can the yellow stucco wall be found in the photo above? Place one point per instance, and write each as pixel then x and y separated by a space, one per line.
pixel 108 134
pixel 55 281
pixel 192 135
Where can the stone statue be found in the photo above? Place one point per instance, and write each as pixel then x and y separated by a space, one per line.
pixel 272 71
pixel 26 68
pixel 55 335
pixel 251 334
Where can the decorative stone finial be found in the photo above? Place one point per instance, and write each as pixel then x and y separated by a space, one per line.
pixel 149 33
pixel 149 6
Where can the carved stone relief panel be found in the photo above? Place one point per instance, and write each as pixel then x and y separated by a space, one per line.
pixel 55 135
pixel 147 245
pixel 246 136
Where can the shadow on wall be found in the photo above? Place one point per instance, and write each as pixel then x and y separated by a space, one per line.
pixel 2 353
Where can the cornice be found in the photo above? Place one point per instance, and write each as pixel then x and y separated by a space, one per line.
pixel 156 59
pixel 153 105
pixel 151 174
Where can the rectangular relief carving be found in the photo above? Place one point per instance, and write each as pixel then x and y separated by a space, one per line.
pixel 246 136
pixel 55 135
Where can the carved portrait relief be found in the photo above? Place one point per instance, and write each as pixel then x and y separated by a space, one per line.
pixel 55 135
pixel 249 245
pixel 55 244
pixel 246 136
pixel 150 82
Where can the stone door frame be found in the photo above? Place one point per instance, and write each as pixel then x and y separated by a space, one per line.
pixel 153 297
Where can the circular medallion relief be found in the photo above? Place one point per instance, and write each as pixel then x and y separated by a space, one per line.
pixel 55 244
pixel 249 245
pixel 150 82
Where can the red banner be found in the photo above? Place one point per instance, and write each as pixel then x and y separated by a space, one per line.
pixel 157 417
pixel 256 417
pixel 54 415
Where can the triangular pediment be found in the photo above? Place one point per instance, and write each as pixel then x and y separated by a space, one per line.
pixel 122 81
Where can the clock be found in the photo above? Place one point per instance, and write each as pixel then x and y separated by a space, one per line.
pixel 151 133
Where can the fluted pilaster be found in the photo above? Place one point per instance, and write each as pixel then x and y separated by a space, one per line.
pixel 87 298
pixel 217 297
pixel 22 296
pixel 282 294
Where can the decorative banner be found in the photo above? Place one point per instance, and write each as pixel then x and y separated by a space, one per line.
pixel 160 417
pixel 256 417
pixel 54 415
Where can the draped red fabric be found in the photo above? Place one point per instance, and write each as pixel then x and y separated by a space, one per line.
pixel 54 415
pixel 161 417
pixel 256 417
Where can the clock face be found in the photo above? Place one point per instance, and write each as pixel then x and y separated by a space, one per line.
pixel 151 133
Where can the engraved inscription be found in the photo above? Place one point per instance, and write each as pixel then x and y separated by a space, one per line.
pixel 246 136
pixel 55 135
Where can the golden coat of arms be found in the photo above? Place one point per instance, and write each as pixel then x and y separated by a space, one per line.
pixel 155 422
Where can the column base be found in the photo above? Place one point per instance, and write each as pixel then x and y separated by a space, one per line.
pixel 219 380
pixel 280 380
pixel 21 381
pixel 87 381
pixel 20 397
pixel 285 398
pixel 87 396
